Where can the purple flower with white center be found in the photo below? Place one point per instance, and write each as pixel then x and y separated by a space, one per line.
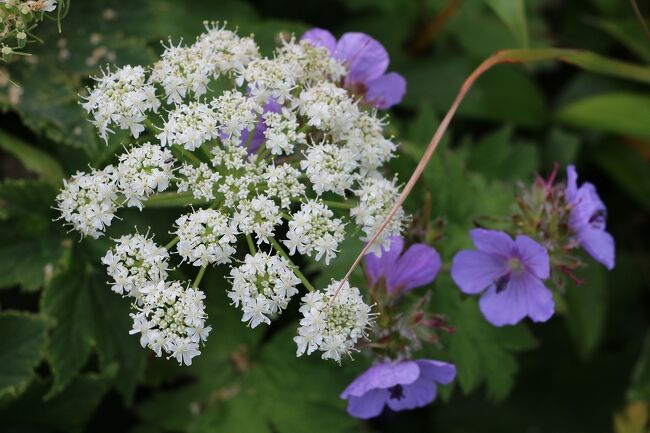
pixel 403 271
pixel 510 275
pixel 588 219
pixel 258 133
pixel 367 61
pixel 399 385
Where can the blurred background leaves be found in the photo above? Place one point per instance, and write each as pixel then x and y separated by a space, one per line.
pixel 67 362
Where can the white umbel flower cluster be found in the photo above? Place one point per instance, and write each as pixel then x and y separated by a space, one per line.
pixel 206 236
pixel 285 149
pixel 315 232
pixel 142 171
pixel 189 126
pixel 88 201
pixel 135 262
pixel 122 97
pixel 171 320
pixel 332 324
pixel 263 286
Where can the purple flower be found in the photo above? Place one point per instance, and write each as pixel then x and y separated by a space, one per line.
pixel 416 267
pixel 258 133
pixel 367 61
pixel 400 385
pixel 588 219
pixel 509 273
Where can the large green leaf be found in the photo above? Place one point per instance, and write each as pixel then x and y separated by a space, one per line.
pixel 88 314
pixel 33 159
pixel 482 353
pixel 640 387
pixel 619 113
pixel 629 33
pixel 23 338
pixel 32 244
pixel 586 309
pixel 65 412
pixel 513 14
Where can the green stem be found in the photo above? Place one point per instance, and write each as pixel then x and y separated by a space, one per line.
pixel 171 199
pixel 339 204
pixel 251 244
pixel 172 243
pixel 186 155
pixel 305 281
pixel 199 277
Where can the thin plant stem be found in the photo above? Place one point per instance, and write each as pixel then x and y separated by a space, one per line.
pixel 199 277
pixel 251 244
pixel 172 243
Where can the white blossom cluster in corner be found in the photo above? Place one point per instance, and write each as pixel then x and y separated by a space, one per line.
pixel 331 324
pixel 279 164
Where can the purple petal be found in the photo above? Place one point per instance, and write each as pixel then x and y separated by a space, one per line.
pixel 419 393
pixel 474 271
pixel 382 376
pixel 366 58
pixel 416 268
pixel 437 371
pixel 386 91
pixel 380 266
pixel 599 244
pixel 320 38
pixel 571 183
pixel 368 405
pixel 524 295
pixel 258 133
pixel 492 242
pixel 534 256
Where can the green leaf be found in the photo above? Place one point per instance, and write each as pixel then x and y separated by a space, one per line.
pixel 619 113
pixel 513 14
pixel 586 309
pixel 32 244
pixel 482 353
pixel 65 412
pixel 33 159
pixel 640 387
pixel 88 314
pixel 496 157
pixel 23 338
pixel 626 168
pixel 629 33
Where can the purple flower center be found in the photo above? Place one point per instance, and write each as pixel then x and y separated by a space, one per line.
pixel 396 392
pixel 515 265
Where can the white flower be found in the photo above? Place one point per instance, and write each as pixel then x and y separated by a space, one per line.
pixel 171 319
pixel 331 324
pixel 134 262
pixel 259 216
pixel 224 50
pixel 283 183
pixel 200 180
pixel 234 113
pixel 189 126
pixel 281 132
pixel 142 171
pixel 182 70
pixel 314 231
pixel 263 285
pixel 88 201
pixel 377 196
pixel 206 236
pixel 329 168
pixel 122 97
